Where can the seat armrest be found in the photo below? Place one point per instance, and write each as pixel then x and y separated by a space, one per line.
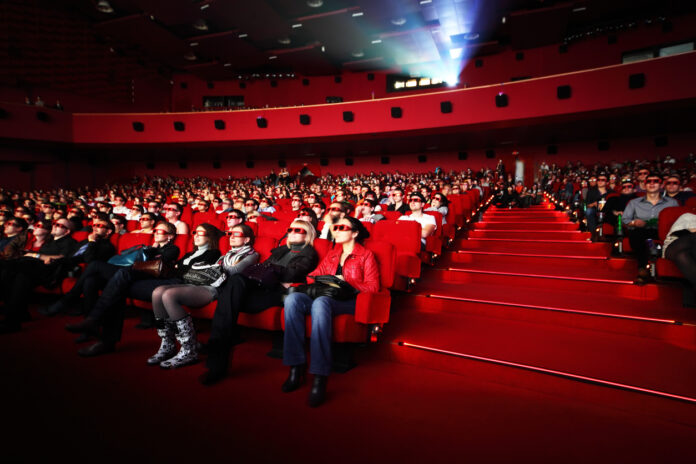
pixel 373 307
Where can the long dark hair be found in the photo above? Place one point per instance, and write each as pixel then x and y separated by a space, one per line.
pixel 213 234
pixel 357 226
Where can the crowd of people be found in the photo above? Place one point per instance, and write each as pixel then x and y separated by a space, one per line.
pixel 38 248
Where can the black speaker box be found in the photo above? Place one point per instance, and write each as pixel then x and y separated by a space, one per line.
pixel 396 112
pixel 446 107
pixel 211 85
pixel 261 122
pixel 150 166
pixel 242 85
pixel 462 155
pixel 305 82
pixel 519 56
pixel 274 83
pixel 661 141
pixel 349 161
pixel 250 164
pixel 138 126
pixel 636 81
pixel 478 63
pixel 490 154
pixel 348 116
pixel 422 158
pixel 603 145
pixel 282 163
pixel 42 116
pixel 563 48
pixel 183 85
pixel 323 161
pixel 370 76
pixel 384 160
pixel 551 149
pixel 219 124
pixel 501 100
pixel 563 92
pixel 338 79
pixel 183 164
pixel 216 165
pixel 305 119
pixel 179 126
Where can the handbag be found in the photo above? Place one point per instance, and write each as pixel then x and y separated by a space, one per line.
pixel 331 286
pixel 205 274
pixel 154 268
pixel 129 256
pixel 264 274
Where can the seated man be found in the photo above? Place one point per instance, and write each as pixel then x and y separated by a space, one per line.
pixel 640 217
pixel 427 222
pixel 14 239
pixel 673 189
pixel 172 213
pixel 616 205
pixel 365 211
pixel 396 202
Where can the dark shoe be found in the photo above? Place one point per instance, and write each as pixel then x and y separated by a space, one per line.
pixel 317 395
pixel 85 337
pixel 85 326
pixel 97 349
pixel 9 327
pixel 211 377
pixel 53 310
pixel 644 277
pixel 75 311
pixel 295 378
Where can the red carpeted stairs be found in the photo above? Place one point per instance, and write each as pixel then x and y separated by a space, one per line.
pixel 527 299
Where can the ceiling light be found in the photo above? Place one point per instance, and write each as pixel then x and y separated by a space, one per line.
pixel 377 41
pixel 227 65
pixel 190 56
pixel 579 9
pixel 358 53
pixel 295 26
pixel 359 13
pixel 398 21
pixel 411 82
pixel 504 20
pixel 103 6
pixel 424 81
pixel 241 36
pixel 399 84
pixel 284 40
pixel 315 3
pixel 471 36
pixel 200 25
pixel 194 44
pixel 323 48
pixel 425 2
pixel 203 7
pixel 272 57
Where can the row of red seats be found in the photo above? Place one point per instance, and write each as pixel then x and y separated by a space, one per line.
pixel 667 217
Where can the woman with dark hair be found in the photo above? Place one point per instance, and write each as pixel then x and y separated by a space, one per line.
pixel 440 204
pixel 168 300
pixel 349 261
pixel 308 214
pixel 258 288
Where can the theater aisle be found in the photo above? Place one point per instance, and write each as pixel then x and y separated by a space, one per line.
pixel 526 299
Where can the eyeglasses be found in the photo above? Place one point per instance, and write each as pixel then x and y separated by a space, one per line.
pixel 365 204
pixel 437 198
pixel 341 228
pixel 335 209
pixel 415 200
pixel 152 205
pixel 602 179
pixel 296 199
pixel 161 232
pixel 170 208
pixel 98 226
pixel 145 219
pixel 303 214
pixel 653 181
pixel 12 223
pixel 37 225
pixel 200 233
pixel 316 205
pixel 627 186
pixel 251 203
pixel 236 233
pixel 59 225
pixel 672 182
pixel 232 216
pixel 296 230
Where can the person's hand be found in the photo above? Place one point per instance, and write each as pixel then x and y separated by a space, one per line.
pixel 638 223
pixel 46 259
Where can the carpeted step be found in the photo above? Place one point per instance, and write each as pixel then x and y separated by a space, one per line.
pixel 563 235
pixel 526 226
pixel 523 219
pixel 580 249
pixel 638 361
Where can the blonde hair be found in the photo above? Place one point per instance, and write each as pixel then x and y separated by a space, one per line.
pixel 309 228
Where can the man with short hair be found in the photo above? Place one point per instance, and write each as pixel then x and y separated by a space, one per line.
pixel 365 211
pixel 119 205
pixel 397 201
pixel 119 223
pixel 14 240
pixel 416 202
pixel 640 217
pixel 336 212
pixel 172 213
pixel 673 189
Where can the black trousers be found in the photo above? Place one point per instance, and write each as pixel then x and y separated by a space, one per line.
pixel 19 277
pixel 93 279
pixel 637 238
pixel 237 294
pixel 683 252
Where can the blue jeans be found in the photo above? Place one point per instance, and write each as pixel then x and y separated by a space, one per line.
pixel 322 310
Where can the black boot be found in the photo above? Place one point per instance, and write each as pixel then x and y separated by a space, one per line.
pixel 53 310
pixel 217 363
pixel 317 395
pixel 295 378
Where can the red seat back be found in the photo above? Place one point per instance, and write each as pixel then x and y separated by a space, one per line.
pixel 273 229
pixel 130 240
pixel 385 254
pixel 667 217
pixel 391 215
pixel 80 235
pixel 264 245
pixel 184 242
pixel 404 235
pixel 132 225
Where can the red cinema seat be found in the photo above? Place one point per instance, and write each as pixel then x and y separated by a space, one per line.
pixel 130 240
pixel 132 225
pixel 405 236
pixel 391 215
pixel 667 217
pixel 185 244
pixel 80 235
pixel 274 229
pixel 115 238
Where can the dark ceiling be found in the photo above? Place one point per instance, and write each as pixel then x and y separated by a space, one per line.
pixel 220 39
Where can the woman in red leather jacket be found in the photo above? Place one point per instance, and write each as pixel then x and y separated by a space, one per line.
pixel 350 261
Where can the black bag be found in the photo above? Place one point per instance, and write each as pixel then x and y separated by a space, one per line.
pixel 264 274
pixel 331 286
pixel 208 274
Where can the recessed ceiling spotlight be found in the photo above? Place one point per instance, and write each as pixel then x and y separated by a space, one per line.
pixel 358 53
pixel 190 56
pixel 471 36
pixel 358 14
pixel 272 57
pixel 425 2
pixel 205 6
pixel 315 3
pixel 398 21
pixel 377 41
pixel 103 6
pixel 152 17
pixel 284 40
pixel 504 20
pixel 241 36
pixel 579 9
pixel 323 48
pixel 227 65
pixel 295 26
pixel 194 44
pixel 200 25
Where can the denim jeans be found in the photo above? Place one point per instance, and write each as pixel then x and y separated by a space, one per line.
pixel 322 310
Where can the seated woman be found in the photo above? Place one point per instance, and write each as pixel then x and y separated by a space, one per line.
pixel 108 311
pixel 680 246
pixel 168 300
pixel 440 204
pixel 349 261
pixel 290 263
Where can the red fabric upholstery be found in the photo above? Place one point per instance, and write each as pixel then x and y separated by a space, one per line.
pixel 130 240
pixel 80 235
pixel 385 254
pixel 666 268
pixel 391 215
pixel 115 238
pixel 275 229
pixel 667 217
pixel 405 236
pixel 264 245
pixel 183 241
pixel 132 225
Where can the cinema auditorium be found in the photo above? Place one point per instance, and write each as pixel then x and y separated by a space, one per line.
pixel 348 231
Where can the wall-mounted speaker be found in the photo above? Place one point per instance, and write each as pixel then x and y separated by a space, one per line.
pixel 446 107
pixel 183 164
pixel 348 116
pixel 370 76
pixel 217 165
pixel 250 164
pixel 150 166
pixel 396 112
pixel 219 124
pixel 42 116
pixel 501 100
pixel 179 126
pixel 519 56
pixel 462 155
pixel 282 163
pixel 636 81
pixel 563 92
pixel 478 63
pixel 261 122
pixel 349 161
pixel 305 82
pixel 552 149
pixel 305 119
pixel 242 85
pixel 384 160
pixel 661 141
pixel 338 79
pixel 603 145
pixel 667 26
pixel 211 85
pixel 422 158
pixel 490 154
pixel 138 126
pixel 183 85
pixel 323 161
pixel 274 83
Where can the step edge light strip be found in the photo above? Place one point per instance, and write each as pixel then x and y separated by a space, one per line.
pixel 519 274
pixel 502 253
